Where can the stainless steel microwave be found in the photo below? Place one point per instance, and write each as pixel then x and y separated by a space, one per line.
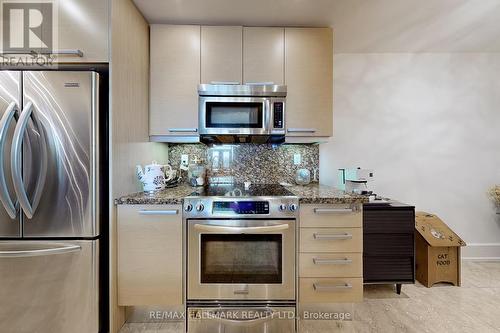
pixel 242 113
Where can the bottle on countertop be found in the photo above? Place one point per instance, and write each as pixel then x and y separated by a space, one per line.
pixel 303 176
pixel 197 172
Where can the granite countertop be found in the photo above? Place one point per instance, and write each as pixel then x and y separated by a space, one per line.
pixel 315 193
pixel 308 194
pixel 169 196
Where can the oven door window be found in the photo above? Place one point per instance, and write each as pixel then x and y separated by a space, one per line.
pixel 241 258
pixel 234 115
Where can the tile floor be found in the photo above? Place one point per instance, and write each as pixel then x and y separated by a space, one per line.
pixel 474 307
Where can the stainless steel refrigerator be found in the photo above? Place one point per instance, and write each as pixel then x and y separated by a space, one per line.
pixel 49 193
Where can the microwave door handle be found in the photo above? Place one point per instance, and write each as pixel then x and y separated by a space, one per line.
pixel 270 314
pixel 241 230
pixel 5 122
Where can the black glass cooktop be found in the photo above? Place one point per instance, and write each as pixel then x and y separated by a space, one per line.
pixel 238 190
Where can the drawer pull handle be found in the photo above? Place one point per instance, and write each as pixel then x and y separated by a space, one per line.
pixel 332 236
pixel 241 292
pixel 159 212
pixel 333 210
pixel 301 130
pixel 183 130
pixel 319 261
pixel 331 287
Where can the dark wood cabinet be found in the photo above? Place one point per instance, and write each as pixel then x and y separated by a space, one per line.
pixel 388 243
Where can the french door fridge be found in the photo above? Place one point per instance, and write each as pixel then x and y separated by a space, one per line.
pixel 49 201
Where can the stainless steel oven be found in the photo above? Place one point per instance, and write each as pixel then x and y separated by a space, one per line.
pixel 241 249
pixel 242 110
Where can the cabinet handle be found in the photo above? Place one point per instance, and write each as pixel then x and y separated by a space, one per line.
pixel 332 236
pixel 301 130
pixel 331 287
pixel 260 83
pixel 159 212
pixel 183 130
pixel 319 261
pixel 333 210
pixel 225 82
pixel 241 292
pixel 77 53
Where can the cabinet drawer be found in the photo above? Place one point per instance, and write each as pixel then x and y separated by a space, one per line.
pixel 384 269
pixel 388 244
pixel 330 216
pixel 330 265
pixel 388 221
pixel 330 290
pixel 331 240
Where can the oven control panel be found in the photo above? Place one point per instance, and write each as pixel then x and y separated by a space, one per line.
pixel 241 207
pixel 257 207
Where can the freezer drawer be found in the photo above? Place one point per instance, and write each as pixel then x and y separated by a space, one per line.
pixel 49 286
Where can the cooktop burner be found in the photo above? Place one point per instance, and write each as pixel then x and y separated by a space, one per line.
pixel 238 190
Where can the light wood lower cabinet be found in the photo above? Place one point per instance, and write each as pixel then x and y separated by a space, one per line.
pixel 150 255
pixel 330 264
pixel 331 290
pixel 331 240
pixel 331 216
pixel 330 254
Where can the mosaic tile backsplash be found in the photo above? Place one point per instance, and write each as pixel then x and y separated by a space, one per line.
pixel 257 163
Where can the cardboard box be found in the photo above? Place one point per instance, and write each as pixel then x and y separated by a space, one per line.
pixel 437 250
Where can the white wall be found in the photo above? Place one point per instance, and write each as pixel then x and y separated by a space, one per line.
pixel 429 126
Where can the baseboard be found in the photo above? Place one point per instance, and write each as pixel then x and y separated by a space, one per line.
pixel 481 251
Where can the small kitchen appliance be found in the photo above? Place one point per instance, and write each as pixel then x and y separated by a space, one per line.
pixel 241 258
pixel 233 113
pixel 354 180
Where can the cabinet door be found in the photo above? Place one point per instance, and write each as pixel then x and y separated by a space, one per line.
pixel 263 55
pixel 80 31
pixel 175 75
pixel 309 80
pixel 84 25
pixel 221 54
pixel 149 255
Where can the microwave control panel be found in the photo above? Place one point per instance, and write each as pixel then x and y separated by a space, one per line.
pixel 278 114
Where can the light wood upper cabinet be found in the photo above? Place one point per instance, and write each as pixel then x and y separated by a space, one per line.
pixel 80 30
pixel 84 25
pixel 309 80
pixel 221 54
pixel 175 75
pixel 149 255
pixel 263 55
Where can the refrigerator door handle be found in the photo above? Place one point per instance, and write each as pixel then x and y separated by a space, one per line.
pixel 16 161
pixel 9 115
pixel 48 250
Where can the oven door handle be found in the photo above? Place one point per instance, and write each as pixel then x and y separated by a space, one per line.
pixel 269 315
pixel 241 230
